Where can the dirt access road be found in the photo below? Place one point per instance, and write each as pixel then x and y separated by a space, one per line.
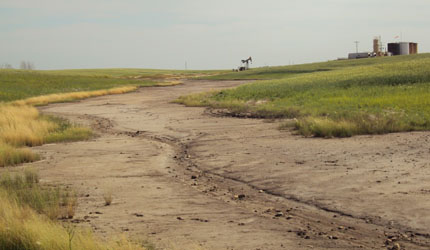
pixel 186 178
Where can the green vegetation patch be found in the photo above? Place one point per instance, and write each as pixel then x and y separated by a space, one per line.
pixel 387 95
pixel 20 84
pixel 65 131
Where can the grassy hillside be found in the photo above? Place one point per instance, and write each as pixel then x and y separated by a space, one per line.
pixel 342 98
pixel 279 72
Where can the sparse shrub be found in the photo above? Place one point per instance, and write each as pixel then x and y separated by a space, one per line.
pixel 69 202
pixel 288 124
pixel 25 190
pixel 108 196
pixel 324 127
pixel 31 176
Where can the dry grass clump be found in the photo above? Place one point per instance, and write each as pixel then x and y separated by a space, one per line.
pixel 10 156
pixel 22 125
pixel 108 196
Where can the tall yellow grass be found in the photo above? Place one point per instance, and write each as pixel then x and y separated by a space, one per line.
pixel 20 125
pixel 12 156
pixel 64 97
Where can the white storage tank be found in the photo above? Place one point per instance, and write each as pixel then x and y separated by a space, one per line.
pixel 404 48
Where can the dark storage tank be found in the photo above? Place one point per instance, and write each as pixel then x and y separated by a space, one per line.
pixel 394 48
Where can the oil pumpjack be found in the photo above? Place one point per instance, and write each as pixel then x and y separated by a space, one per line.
pixel 245 64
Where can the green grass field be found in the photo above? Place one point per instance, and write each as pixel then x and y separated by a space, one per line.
pixel 128 73
pixel 18 84
pixel 339 98
pixel 21 84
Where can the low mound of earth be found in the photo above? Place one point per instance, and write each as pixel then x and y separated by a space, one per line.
pixel 183 177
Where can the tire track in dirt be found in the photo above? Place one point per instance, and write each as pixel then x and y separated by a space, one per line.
pixel 182 176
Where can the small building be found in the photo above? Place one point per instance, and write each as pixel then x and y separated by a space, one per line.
pixel 403 48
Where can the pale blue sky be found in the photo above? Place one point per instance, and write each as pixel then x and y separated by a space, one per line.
pixel 57 34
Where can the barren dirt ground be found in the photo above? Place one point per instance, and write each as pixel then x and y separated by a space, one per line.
pixel 184 177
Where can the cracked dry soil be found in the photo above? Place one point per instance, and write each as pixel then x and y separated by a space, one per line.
pixel 182 177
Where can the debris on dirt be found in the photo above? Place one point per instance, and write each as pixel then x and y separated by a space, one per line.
pixel 179 218
pixel 77 221
pixel 198 219
pixel 138 215
pixel 193 177
pixel 239 196
pixel 395 246
pixel 268 210
pixel 301 233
